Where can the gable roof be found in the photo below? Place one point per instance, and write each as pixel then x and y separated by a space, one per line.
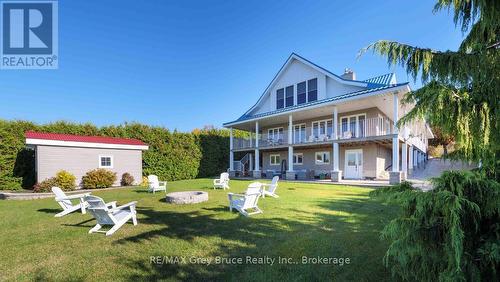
pixel 44 138
pixel 385 79
pixel 305 61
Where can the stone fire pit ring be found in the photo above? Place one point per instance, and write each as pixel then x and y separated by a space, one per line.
pixel 186 197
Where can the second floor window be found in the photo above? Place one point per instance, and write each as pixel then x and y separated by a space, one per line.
pixel 301 93
pixel 289 96
pixel 312 90
pixel 280 98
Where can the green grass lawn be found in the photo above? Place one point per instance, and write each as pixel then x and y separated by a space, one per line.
pixel 307 220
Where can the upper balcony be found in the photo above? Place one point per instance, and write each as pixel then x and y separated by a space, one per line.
pixel 349 129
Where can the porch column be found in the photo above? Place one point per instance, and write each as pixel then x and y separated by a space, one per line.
pixel 395 174
pixel 290 174
pixel 404 160
pixel 256 171
pixel 415 158
pixel 336 173
pixel 410 160
pixel 250 162
pixel 231 153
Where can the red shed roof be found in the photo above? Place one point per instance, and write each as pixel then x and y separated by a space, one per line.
pixel 81 138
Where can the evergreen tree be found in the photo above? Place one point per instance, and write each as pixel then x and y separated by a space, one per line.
pixel 461 88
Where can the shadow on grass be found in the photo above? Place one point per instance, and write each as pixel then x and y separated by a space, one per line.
pixel 325 229
pixel 50 211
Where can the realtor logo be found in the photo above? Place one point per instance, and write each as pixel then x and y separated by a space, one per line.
pixel 29 35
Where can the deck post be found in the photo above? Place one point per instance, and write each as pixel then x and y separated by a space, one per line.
pixel 404 160
pixel 231 153
pixel 395 176
pixel 290 174
pixel 256 171
pixel 336 173
pixel 410 160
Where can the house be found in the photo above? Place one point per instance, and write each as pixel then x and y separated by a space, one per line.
pixel 312 122
pixel 79 154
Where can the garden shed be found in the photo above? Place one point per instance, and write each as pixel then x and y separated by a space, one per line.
pixel 79 154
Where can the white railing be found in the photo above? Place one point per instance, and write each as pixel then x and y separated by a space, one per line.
pixel 363 128
pixel 240 165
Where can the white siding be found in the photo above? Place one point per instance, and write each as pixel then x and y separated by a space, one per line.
pixel 51 159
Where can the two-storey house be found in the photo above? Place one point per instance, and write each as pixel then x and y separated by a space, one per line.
pixel 311 123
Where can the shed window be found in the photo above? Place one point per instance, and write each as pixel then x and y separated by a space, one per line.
pixel 105 162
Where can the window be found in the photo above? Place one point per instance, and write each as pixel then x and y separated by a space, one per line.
pixel 322 157
pixel 299 133
pixel 297 158
pixel 280 98
pixel 274 159
pixel 275 134
pixel 353 126
pixel 105 162
pixel 301 93
pixel 312 90
pixel 289 96
pixel 322 129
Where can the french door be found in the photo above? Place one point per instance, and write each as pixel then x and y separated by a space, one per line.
pixel 354 164
pixel 299 133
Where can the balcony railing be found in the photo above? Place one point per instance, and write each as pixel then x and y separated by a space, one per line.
pixel 362 128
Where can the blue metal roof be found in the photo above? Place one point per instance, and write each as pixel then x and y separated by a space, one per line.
pixel 305 105
pixel 381 79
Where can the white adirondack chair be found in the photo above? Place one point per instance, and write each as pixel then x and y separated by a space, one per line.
pixel 65 202
pixel 271 188
pixel 222 182
pixel 248 201
pixel 155 184
pixel 116 216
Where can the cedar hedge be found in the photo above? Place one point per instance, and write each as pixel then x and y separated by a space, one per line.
pixel 172 155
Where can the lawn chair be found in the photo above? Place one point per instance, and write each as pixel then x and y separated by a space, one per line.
pixel 116 216
pixel 247 201
pixel 271 191
pixel 222 182
pixel 65 202
pixel 156 185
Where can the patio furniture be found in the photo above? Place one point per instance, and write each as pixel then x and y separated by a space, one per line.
pixel 271 191
pixel 248 201
pixel 116 216
pixel 156 185
pixel 65 202
pixel 346 135
pixel 222 182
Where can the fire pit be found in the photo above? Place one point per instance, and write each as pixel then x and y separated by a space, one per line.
pixel 187 197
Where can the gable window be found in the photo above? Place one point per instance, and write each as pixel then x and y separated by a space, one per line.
pixel 301 93
pixel 274 159
pixel 280 98
pixel 289 96
pixel 312 90
pixel 298 158
pixel 105 161
pixel 322 157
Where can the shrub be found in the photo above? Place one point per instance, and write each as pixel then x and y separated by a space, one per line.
pixel 46 185
pixel 127 179
pixel 145 182
pixel 65 180
pixel 450 233
pixel 98 178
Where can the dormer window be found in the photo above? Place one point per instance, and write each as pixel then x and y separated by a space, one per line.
pixel 280 98
pixel 289 96
pixel 312 90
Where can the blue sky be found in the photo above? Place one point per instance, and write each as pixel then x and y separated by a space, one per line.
pixel 186 64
